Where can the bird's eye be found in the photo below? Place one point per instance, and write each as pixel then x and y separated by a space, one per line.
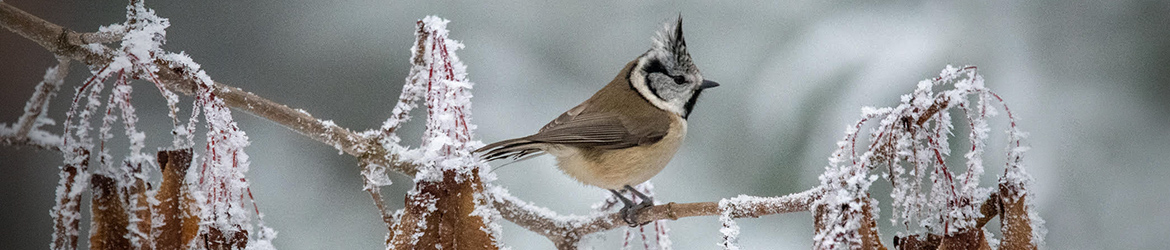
pixel 679 80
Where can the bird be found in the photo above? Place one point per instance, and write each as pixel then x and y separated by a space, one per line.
pixel 629 130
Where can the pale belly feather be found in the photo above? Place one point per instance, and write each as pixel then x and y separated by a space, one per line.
pixel 613 169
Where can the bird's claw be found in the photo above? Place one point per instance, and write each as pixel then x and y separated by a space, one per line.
pixel 630 214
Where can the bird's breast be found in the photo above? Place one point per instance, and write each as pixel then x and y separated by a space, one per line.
pixel 615 168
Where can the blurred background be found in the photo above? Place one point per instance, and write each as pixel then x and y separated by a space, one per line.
pixel 1090 81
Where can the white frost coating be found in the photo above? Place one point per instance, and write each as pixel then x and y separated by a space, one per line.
pixel 224 164
pixel 729 229
pixel 375 175
pixel 1015 178
pixel 218 183
pixel 144 34
pixel 531 211
pixel 36 136
pixel 262 239
pixel 75 151
pixel 330 125
pixel 485 209
pixel 415 198
pixel 441 79
pixel 911 142
pixel 447 143
pixel 412 90
pixel 34 110
pixel 991 240
pixel 663 236
pixel 846 182
pixel 955 197
pixel 44 138
pixel 753 206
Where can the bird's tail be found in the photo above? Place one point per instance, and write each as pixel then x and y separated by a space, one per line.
pixel 515 149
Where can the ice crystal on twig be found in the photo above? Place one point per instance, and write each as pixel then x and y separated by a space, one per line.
pixel 219 186
pixel 445 160
pixel 911 143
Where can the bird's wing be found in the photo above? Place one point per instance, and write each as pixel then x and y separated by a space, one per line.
pixel 596 129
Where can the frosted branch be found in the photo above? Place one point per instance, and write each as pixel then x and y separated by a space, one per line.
pixel 26 131
pixel 57 39
pixel 50 142
pixel 81 47
pixel 567 230
pixel 36 105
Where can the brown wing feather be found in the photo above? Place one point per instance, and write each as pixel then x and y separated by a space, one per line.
pixel 588 130
pixel 514 148
pixel 615 117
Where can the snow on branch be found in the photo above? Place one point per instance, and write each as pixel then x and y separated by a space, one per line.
pixel 140 58
pixel 26 130
pixel 910 148
pixel 218 187
pixel 567 230
pixel 448 184
pixel 87 48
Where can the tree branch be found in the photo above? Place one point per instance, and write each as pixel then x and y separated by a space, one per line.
pixel 67 43
pixel 13 140
pixel 566 230
pixel 44 91
pixel 56 39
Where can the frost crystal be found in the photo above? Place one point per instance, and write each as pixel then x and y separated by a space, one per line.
pixel 220 180
pixel 730 229
pixel 440 79
pixel 911 142
pixel 447 143
pixel 219 185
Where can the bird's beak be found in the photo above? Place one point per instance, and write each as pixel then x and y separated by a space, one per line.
pixel 708 84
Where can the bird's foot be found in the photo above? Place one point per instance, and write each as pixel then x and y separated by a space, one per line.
pixel 630 213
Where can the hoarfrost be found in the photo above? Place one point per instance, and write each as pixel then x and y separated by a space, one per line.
pixel 530 211
pixel 485 209
pixel 915 134
pixel 730 229
pixel 263 239
pixel 440 79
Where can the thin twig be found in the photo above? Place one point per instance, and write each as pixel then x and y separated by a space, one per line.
pixel 44 92
pixel 376 196
pixel 12 140
pixel 569 229
pixel 67 43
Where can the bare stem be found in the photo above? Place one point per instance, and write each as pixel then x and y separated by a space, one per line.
pixel 565 230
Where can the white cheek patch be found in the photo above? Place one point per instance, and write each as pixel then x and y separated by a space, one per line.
pixel 638 80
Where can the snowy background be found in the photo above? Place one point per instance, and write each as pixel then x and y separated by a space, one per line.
pixel 1089 80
